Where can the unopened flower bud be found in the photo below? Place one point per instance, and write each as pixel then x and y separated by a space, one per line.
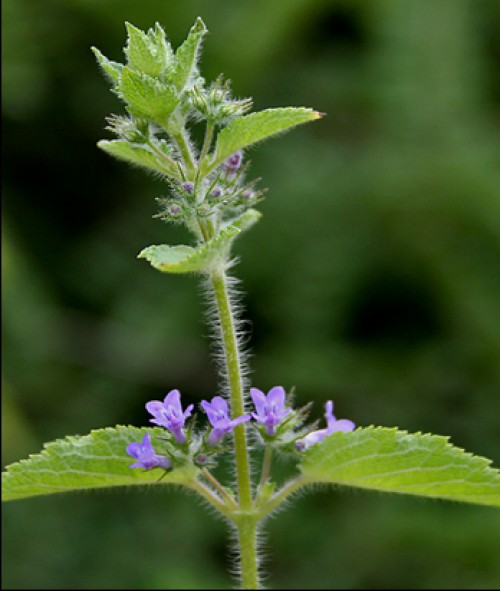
pixel 174 210
pixel 216 192
pixel 300 445
pixel 201 459
pixel 233 163
pixel 188 187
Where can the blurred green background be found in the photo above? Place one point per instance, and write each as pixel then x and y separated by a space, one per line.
pixel 373 279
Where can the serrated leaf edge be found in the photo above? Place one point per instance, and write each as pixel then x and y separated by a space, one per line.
pixel 444 441
pixel 177 476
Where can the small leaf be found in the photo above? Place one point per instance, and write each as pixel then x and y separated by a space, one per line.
pixel 147 97
pixel 247 219
pixel 245 131
pixel 163 45
pixel 186 259
pixel 186 56
pixel 142 53
pixel 389 460
pixel 139 155
pixel 112 70
pixel 84 462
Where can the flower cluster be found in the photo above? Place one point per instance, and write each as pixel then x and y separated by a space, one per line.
pixel 274 421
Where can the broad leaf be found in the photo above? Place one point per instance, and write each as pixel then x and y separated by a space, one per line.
pixel 188 259
pixel 186 56
pixel 389 460
pixel 86 462
pixel 147 97
pixel 139 155
pixel 249 129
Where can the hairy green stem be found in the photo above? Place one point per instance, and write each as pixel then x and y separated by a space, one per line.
pixel 245 519
pixel 280 496
pixel 211 497
pixel 222 489
pixel 182 140
pixel 235 382
pixel 266 465
pixel 164 157
pixel 247 538
pixel 209 133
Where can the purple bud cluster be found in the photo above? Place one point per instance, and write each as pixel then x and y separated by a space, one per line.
pixel 225 194
pixel 274 420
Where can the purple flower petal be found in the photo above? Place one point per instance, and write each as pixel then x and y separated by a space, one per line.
pixel 259 399
pixel 333 425
pixel 217 410
pixel 276 396
pixel 239 420
pixel 344 425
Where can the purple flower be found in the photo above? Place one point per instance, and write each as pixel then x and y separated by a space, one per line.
pixel 146 456
pixel 218 415
pixel 169 414
pixel 271 408
pixel 332 425
pixel 188 187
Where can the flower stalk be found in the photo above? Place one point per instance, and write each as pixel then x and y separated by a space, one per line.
pixel 246 520
pixel 232 358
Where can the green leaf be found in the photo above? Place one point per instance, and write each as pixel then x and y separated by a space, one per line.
pixel 389 460
pixel 247 219
pixel 143 54
pixel 112 70
pixel 138 155
pixel 186 56
pixel 163 46
pixel 84 462
pixel 147 97
pixel 186 259
pixel 249 129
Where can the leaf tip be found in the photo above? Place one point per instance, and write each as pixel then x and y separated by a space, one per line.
pixel 200 26
pixel 318 115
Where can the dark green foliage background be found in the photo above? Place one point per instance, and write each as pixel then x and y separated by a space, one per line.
pixel 372 279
